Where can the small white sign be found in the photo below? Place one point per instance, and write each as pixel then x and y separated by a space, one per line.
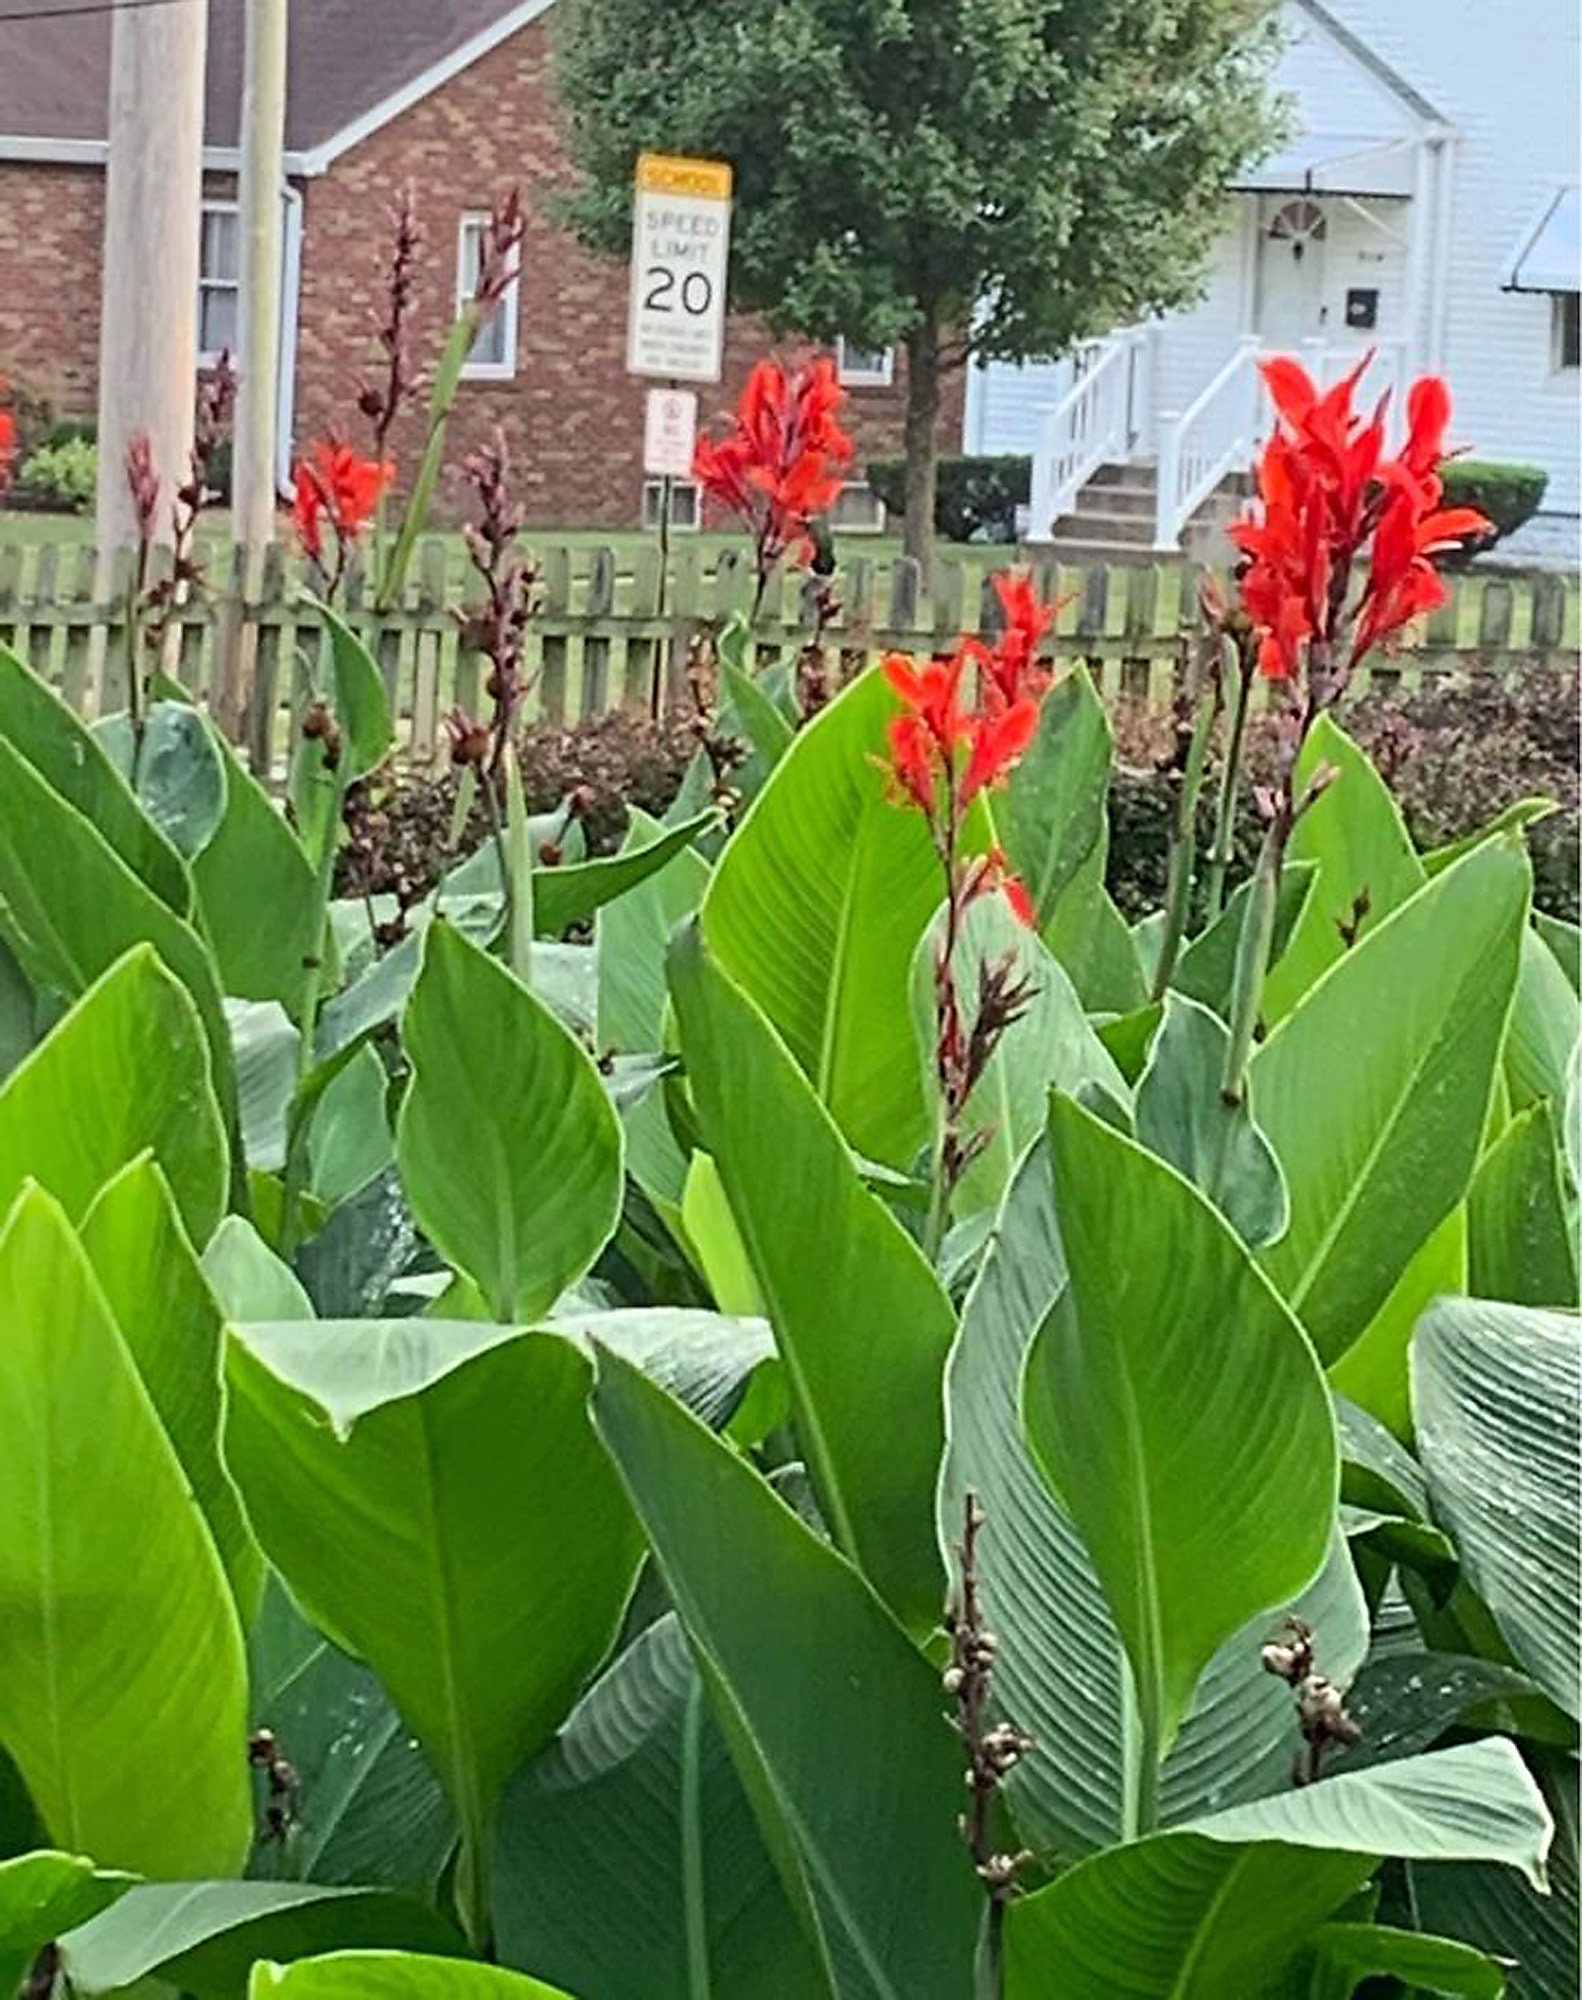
pixel 681 235
pixel 670 433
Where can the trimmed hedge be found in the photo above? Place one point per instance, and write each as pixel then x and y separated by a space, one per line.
pixel 1454 755
pixel 1507 494
pixel 977 497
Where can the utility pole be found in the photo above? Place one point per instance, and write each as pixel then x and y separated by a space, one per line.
pixel 255 447
pixel 257 398
pixel 148 343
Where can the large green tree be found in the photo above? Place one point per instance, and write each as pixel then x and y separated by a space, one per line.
pixel 966 178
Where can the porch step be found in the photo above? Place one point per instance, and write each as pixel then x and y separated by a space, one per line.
pixel 1090 524
pixel 1113 517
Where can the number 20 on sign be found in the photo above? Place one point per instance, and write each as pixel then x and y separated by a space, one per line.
pixel 681 231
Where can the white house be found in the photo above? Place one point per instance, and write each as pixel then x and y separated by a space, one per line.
pixel 1427 208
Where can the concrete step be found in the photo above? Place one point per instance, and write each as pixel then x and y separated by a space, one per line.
pixel 1095 524
pixel 1098 549
pixel 1117 500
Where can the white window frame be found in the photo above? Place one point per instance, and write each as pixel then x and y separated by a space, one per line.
pixel 876 526
pixel 503 370
pixel 208 357
pixel 851 377
pixel 653 490
pixel 1557 331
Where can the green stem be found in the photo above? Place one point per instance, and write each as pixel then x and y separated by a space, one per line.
pixel 447 380
pixel 518 863
pixel 1252 957
pixel 296 1169
pixel 939 1195
pixel 988 1978
pixel 473 1895
pixel 1183 842
pixel 1229 785
pixel 700 1985
pixel 1149 1771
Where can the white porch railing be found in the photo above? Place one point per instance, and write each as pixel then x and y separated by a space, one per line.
pixel 1215 434
pixel 1222 430
pixel 1099 421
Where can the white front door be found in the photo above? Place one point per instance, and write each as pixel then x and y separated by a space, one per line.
pixel 1293 233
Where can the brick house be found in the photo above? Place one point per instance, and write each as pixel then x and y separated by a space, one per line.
pixel 455 98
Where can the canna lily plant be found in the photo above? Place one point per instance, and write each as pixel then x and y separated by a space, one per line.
pixel 777 1413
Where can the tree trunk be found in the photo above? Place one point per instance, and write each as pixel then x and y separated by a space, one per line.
pixel 922 442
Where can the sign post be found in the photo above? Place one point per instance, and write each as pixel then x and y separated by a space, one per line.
pixel 681 234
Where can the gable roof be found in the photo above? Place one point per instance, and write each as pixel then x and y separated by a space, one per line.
pixel 1369 58
pixel 347 75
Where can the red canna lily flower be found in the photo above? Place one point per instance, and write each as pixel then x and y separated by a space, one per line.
pixel 997 742
pixel 7 446
pixel 1329 499
pixel 782 461
pixel 1011 667
pixel 341 488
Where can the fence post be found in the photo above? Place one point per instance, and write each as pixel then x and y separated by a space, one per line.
pixel 596 645
pixel 262 696
pixel 905 583
pixel 554 575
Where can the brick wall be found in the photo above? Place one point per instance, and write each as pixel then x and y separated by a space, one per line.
pixel 572 416
pixel 51 232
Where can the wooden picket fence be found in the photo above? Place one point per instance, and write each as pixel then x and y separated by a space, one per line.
pixel 612 629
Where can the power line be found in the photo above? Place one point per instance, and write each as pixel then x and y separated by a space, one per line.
pixel 85 7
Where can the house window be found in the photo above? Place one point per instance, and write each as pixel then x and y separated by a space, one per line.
pixel 219 280
pixel 864 367
pixel 1566 310
pixel 683 503
pixel 493 356
pixel 858 510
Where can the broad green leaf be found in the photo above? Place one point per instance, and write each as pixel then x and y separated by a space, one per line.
pixel 1518 814
pixel 1183 1117
pixel 362 707
pixel 713 1240
pixel 1375 1088
pixel 1166 1339
pixel 369 1811
pixel 70 907
pixel 41 1896
pixel 1474 1802
pixel 1052 1046
pixel 1345 1955
pixel 509 1149
pixel 125 1072
pixel 1089 936
pixel 178 777
pixel 842 1784
pixel 570 893
pixel 64 752
pixel 248 1279
pixel 1052 815
pixel 748 709
pixel 264 1047
pixel 120 1627
pixel 1366 864
pixel 638 1788
pixel 381 992
pixel 1497 1395
pixel 350 1139
pixel 634 933
pixel 815 911
pixel 19 1011
pixel 150 1276
pixel 1405 1702
pixel 1564 939
pixel 860 1319
pixel 705 1360
pixel 203 1937
pixel 351 1263
pixel 255 863
pixel 1495 1909
pixel 1521 1224
pixel 1176 1917
pixel 1375 1370
pixel 482 1550
pixel 393 1975
pixel 1228 1905
pixel 1546 1021
pixel 1061 1672
pixel 1206 970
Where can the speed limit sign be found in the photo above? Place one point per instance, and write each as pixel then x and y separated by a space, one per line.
pixel 681 232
